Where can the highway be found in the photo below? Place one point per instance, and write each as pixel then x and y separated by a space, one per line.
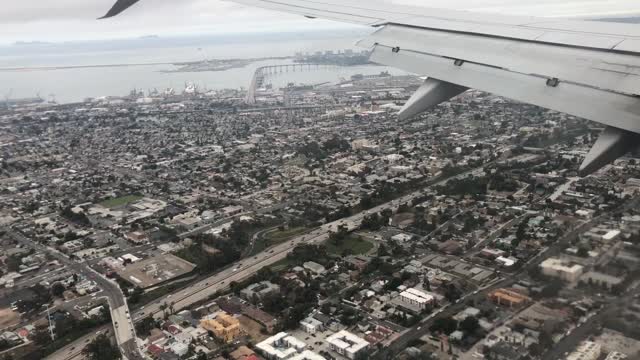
pixel 245 268
pixel 123 324
pixel 204 289
pixel 74 350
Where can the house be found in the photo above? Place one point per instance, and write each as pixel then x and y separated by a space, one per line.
pixel 315 268
pixel 259 290
pixel 311 325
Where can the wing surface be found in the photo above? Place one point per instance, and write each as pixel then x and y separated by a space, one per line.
pixel 584 68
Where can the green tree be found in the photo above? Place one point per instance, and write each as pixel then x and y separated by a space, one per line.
pixel 101 349
pixel 13 263
pixel 552 289
pixel 469 325
pixel 57 289
pixel 445 325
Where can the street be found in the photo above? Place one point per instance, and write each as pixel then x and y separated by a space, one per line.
pixel 125 330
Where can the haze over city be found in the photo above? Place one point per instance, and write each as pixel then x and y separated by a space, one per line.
pixel 64 20
pixel 206 180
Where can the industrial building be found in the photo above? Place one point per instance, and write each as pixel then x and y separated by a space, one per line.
pixel 155 270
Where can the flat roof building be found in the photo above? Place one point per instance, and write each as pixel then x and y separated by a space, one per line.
pixel 314 267
pixel 259 290
pixel 561 269
pixel 311 325
pixel 508 297
pixel 155 270
pixel 347 344
pixel 224 327
pixel 283 346
pixel 588 350
pixel 614 355
pixel 416 298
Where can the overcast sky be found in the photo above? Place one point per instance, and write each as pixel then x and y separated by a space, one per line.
pixel 59 20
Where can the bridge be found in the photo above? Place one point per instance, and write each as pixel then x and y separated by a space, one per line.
pixel 263 72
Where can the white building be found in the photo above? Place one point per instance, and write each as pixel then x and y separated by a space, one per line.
pixel 614 355
pixel 588 350
pixel 179 349
pixel 561 269
pixel 183 337
pixel 311 325
pixel 347 344
pixel 307 355
pixel 416 298
pixel 315 268
pixel 283 346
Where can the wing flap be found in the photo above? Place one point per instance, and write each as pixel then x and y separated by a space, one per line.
pixel 610 71
pixel 118 7
pixel 315 10
pixel 629 45
pixel 614 109
pixel 575 33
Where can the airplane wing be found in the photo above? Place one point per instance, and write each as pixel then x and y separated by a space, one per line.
pixel 584 68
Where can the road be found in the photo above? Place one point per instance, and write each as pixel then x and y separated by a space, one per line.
pixel 422 328
pixel 245 268
pixel 74 350
pixel 254 238
pixel 123 324
pixel 555 249
pixel 582 331
pixel 202 290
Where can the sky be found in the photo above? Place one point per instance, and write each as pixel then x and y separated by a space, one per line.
pixel 68 20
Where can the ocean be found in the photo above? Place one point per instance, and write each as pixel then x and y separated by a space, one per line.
pixel 21 73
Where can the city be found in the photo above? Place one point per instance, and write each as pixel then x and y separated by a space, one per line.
pixel 311 223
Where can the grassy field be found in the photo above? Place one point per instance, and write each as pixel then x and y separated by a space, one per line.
pixel 278 236
pixel 120 201
pixel 275 237
pixel 353 244
pixel 282 264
